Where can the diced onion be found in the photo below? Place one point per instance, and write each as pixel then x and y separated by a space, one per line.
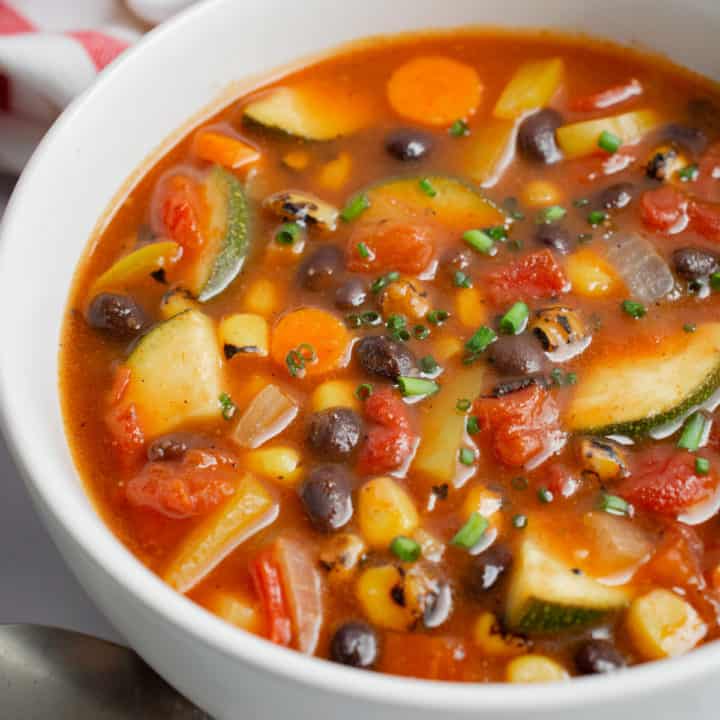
pixel 267 415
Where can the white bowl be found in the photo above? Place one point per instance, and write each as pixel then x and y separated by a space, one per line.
pixel 70 182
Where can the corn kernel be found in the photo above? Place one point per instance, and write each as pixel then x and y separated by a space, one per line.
pixel 446 347
pixel 541 193
pixel 591 275
pixel 243 330
pixel 661 624
pixel 470 307
pixel 262 298
pixel 490 638
pixel 236 609
pixel 296 159
pixel 280 463
pixel 175 302
pixel 341 554
pixel 406 297
pixel 385 510
pixel 334 393
pixel 535 669
pixel 335 174
pixel 282 254
pixel 375 595
pixel 486 503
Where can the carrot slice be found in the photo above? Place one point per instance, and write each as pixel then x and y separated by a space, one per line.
pixel 223 149
pixel 309 341
pixel 434 90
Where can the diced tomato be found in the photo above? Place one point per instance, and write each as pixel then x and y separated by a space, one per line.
pixel 705 219
pixel 127 441
pixel 268 585
pixel 390 246
pixel 676 562
pixel 181 212
pixel 535 276
pixel 663 209
pixel 665 482
pixel 389 440
pixel 607 98
pixel 521 425
pixel 185 488
pixel 561 481
pixel 430 657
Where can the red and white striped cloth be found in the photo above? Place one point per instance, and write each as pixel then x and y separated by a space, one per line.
pixel 51 50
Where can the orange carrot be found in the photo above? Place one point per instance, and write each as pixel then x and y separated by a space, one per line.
pixel 309 341
pixel 434 90
pixel 223 149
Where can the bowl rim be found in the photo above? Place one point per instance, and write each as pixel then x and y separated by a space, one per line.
pixel 108 555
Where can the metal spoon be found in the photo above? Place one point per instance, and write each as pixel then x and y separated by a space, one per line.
pixel 52 674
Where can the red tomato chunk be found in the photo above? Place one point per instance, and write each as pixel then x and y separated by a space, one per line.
pixel 535 276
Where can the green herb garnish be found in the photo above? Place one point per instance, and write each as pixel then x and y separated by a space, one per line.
pixel 287 233
pixel 479 240
pixel 459 129
pixel 427 187
pixel 551 214
pixel 355 207
pixel 471 532
pixel 609 142
pixel 406 549
pixel 384 280
pixel 513 322
pixel 614 505
pixel 417 387
pixel 693 432
pixel 634 309
pixel 227 407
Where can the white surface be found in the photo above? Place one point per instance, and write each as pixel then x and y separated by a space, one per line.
pixel 101 140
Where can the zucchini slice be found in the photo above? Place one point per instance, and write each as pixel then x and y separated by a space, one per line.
pixel 546 596
pixel 633 394
pixel 454 203
pixel 175 374
pixel 227 236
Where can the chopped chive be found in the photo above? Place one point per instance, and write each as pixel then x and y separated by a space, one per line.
pixel 479 341
pixel 461 280
pixel 417 387
pixel 396 322
pixel 609 141
pixel 370 318
pixel 295 363
pixel 702 466
pixel 405 548
pixel 427 187
pixel 472 425
pixel 614 505
pixel 693 433
pixel 421 332
pixel 287 233
pixel 227 407
pixel 437 317
pixel 689 327
pixel 551 214
pixel 463 405
pixel 519 521
pixel 479 240
pixel 471 532
pixel 384 280
pixel 571 378
pixel 520 483
pixel 597 217
pixel 355 207
pixel 466 456
pixel 363 249
pixel 545 496
pixel 364 391
pixel 689 173
pixel 497 232
pixel 428 364
pixel 513 322
pixel 581 202
pixel 634 309
pixel 459 129
pixel 715 280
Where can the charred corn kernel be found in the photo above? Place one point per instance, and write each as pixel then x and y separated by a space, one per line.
pixel 236 609
pixel 535 669
pixel 262 298
pixel 661 624
pixel 280 463
pixel 296 159
pixel 542 193
pixel 488 635
pixel 470 308
pixel 432 548
pixel 341 554
pixel 603 458
pixel 385 510
pixel 380 592
pixel 406 297
pixel 591 275
pixel 558 326
pixel 176 301
pixel 485 502
pixel 446 347
pixel 334 393
pixel 244 333
pixel 335 174
pixel 665 162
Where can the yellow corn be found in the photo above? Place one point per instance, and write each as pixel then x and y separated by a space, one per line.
pixel 535 669
pixel 262 298
pixel 470 307
pixel 530 88
pixel 591 275
pixel 296 159
pixel 335 174
pixel 280 463
pixel 334 393
pixel 375 595
pixel 385 510
pixel 490 638
pixel 406 297
pixel 542 193
pixel 447 347
pixel 175 302
pixel 341 554
pixel 244 330
pixel 236 609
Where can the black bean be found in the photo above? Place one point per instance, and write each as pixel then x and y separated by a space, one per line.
pixel 117 315
pixel 326 495
pixel 354 644
pixel 487 569
pixel 379 355
pixel 536 136
pixel 596 657
pixel 517 355
pixel 335 432
pixel 319 270
pixel 506 387
pixel 406 144
pixel 617 196
pixel 554 236
pixel 687 137
pixel 351 294
pixel 168 447
pixel 695 263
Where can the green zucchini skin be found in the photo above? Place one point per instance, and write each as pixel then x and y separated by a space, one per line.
pixel 547 619
pixel 235 243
